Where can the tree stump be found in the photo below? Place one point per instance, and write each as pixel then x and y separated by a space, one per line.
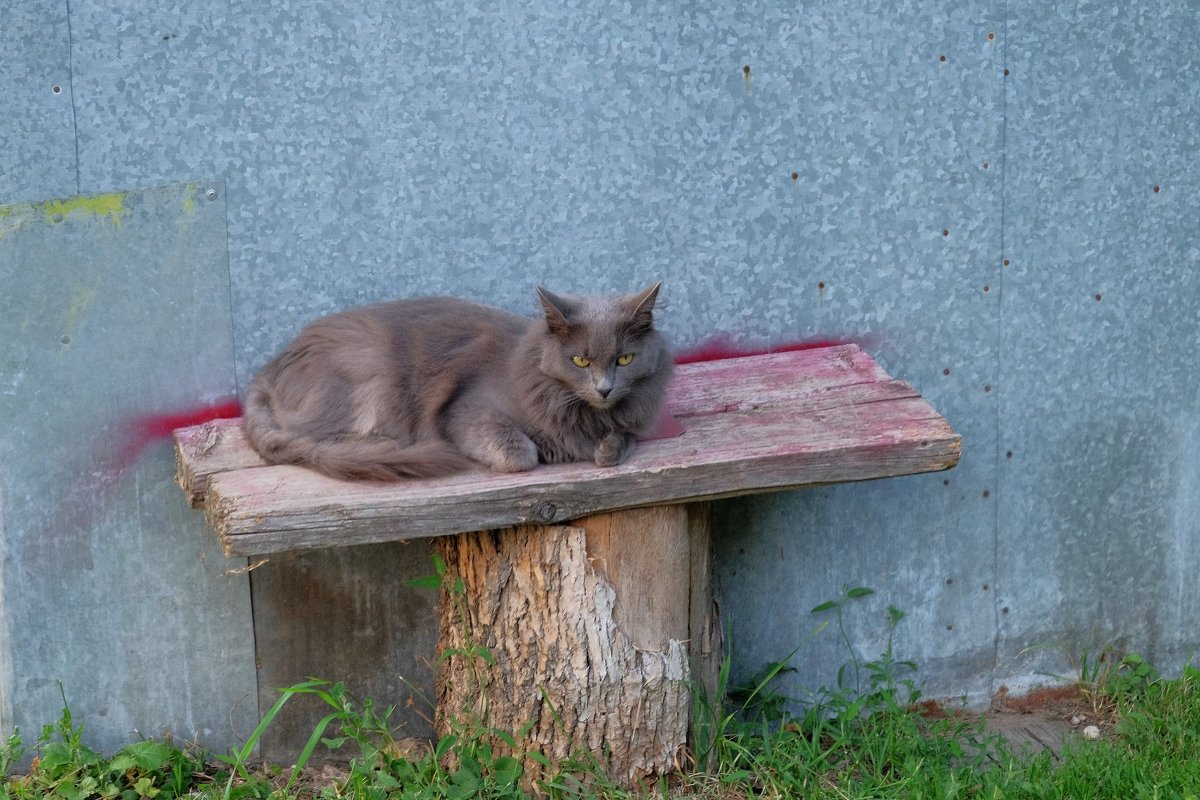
pixel 596 632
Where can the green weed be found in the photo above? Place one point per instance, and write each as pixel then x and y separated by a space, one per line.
pixel 64 767
pixel 862 738
pixel 1101 677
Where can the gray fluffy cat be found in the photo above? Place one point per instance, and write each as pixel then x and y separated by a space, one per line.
pixel 427 387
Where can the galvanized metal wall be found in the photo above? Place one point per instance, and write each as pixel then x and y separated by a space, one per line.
pixel 111 591
pixel 998 197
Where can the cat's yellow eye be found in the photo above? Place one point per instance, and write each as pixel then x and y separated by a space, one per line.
pixel 580 361
pixel 623 360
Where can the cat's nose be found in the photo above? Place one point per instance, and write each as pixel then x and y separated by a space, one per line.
pixel 604 391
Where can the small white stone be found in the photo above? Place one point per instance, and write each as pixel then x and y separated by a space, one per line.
pixel 1078 718
pixel 1091 732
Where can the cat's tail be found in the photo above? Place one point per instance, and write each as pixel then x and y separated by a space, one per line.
pixel 377 458
pixel 349 457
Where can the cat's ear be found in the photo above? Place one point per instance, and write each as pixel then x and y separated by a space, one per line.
pixel 557 311
pixel 641 309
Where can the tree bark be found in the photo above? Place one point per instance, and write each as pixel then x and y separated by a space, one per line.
pixel 588 627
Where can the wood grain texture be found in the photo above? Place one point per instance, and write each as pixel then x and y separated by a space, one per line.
pixel 346 613
pixel 202 451
pixel 704 621
pixel 753 424
pixel 588 627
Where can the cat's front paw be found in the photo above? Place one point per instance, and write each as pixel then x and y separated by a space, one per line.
pixel 613 449
pixel 514 452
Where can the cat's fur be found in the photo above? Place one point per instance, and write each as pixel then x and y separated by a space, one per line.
pixel 427 387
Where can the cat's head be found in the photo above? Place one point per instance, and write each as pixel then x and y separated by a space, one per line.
pixel 602 347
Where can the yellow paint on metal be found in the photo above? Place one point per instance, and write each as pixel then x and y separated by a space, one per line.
pixel 110 205
pixel 81 298
pixel 15 216
pixel 189 200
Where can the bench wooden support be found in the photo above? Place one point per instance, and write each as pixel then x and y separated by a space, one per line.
pixel 596 629
pixel 590 586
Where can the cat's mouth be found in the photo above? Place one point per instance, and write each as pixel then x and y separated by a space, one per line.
pixel 603 403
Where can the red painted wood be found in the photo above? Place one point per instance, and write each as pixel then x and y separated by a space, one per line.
pixel 753 424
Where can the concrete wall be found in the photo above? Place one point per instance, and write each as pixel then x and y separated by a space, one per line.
pixel 999 198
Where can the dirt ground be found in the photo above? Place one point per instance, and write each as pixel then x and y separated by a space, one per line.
pixel 1044 718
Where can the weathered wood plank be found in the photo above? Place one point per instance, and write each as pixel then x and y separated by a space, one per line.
pixel 795 379
pixel 272 509
pixel 202 451
pixel 803 381
pixel 347 613
pixel 1032 733
pixel 754 424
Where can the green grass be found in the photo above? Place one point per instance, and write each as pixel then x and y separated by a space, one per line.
pixel 862 737
pixel 895 753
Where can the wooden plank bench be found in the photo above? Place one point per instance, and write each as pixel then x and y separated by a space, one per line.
pixel 589 585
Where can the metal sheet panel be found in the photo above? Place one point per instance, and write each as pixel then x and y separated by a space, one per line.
pixel 36 115
pixel 891 233
pixel 1097 530
pixel 411 150
pixel 114 306
pixel 405 150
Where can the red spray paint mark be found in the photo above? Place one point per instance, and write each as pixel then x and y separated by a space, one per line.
pixel 145 430
pixel 720 347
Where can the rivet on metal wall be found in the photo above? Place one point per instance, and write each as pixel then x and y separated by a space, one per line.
pixel 946 371
pixel 57 217
pixel 56 89
pixel 945 231
pixel 1006 262
pixel 211 194
pixel 1097 297
pixel 986 289
pixel 796 177
pixel 1156 189
pixel 65 339
pixel 991 36
pixel 986 494
pixel 985 165
pixel 942 59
